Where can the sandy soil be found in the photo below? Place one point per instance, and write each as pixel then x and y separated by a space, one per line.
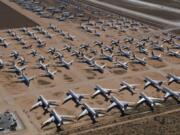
pixel 17 97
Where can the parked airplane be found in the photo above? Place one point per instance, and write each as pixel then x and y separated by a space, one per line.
pixel 137 60
pixel 52 50
pixel 126 86
pixel 149 101
pixel 143 50
pixel 33 52
pixel 67 47
pixel 124 53
pixel 93 113
pixel 25 79
pixel 123 65
pixel 98 67
pixel 45 104
pixel 64 63
pixel 42 66
pixel 154 83
pixel 18 70
pixel 50 74
pixel 155 57
pixel 14 54
pixel 59 120
pixel 173 53
pixel 158 47
pixel 171 93
pixel 122 106
pixel 106 56
pixel 99 90
pixel 88 60
pixel 77 98
pixel 173 78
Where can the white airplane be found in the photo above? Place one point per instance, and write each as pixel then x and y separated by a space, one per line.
pixel 154 83
pixel 173 78
pixel 98 67
pixel 21 61
pixel 120 64
pixel 120 105
pixel 59 120
pixel 84 46
pixel 93 113
pixel 50 74
pixel 115 42
pixel 58 55
pixel 126 86
pixel 25 79
pixel 149 101
pixel 41 58
pixel 67 47
pixel 77 98
pixel 18 38
pixel 88 60
pixel 173 53
pixel 106 56
pixel 18 70
pixel 23 29
pixel 143 50
pixel 14 54
pixel 171 93
pixel 76 53
pixel 158 47
pixel 64 63
pixel 52 50
pixel 42 66
pixel 1 63
pixel 109 48
pixel 98 43
pixel 99 90
pixel 124 53
pixel 33 52
pixel 2 40
pixel 45 104
pixel 155 57
pixel 69 37
pixel 4 44
pixel 137 60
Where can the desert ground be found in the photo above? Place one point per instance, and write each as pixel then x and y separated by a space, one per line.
pixel 17 97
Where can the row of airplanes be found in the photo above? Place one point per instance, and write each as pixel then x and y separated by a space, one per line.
pixel 122 106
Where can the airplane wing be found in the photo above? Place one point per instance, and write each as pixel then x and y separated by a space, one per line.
pixel 85 112
pixel 47 122
pixel 167 95
pixel 140 101
pixel 147 84
pixel 123 87
pixel 96 93
pixel 67 118
pixel 111 106
pixel 67 99
pixel 156 99
pixel 53 102
pixel 99 110
pixel 171 79
pixel 36 105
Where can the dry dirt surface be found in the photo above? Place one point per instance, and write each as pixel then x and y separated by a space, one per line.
pixel 12 19
pixel 15 96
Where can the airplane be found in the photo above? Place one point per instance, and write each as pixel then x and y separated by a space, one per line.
pixel 59 120
pixel 98 43
pixel 18 70
pixel 69 37
pixel 99 90
pixel 88 60
pixel 33 52
pixel 23 29
pixel 76 53
pixel 59 55
pixel 128 39
pixel 18 38
pixel 67 47
pixel 155 57
pixel 64 63
pixel 158 47
pixel 149 101
pixel 84 46
pixel 98 67
pixel 173 53
pixel 96 33
pixel 25 79
pixel 126 86
pixel 106 56
pixel 93 113
pixel 173 78
pixel 115 42
pixel 4 44
pixel 120 105
pixel 50 74
pixel 1 63
pixel 41 58
pixel 109 48
pixel 77 98
pixel 2 40
pixel 143 50
pixel 42 66
pixel 123 65
pixel 52 50
pixel 171 93
pixel 14 54
pixel 45 104
pixel 21 61
pixel 29 33
pixel 137 60
pixel 175 46
pixel 154 83
pixel 124 53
